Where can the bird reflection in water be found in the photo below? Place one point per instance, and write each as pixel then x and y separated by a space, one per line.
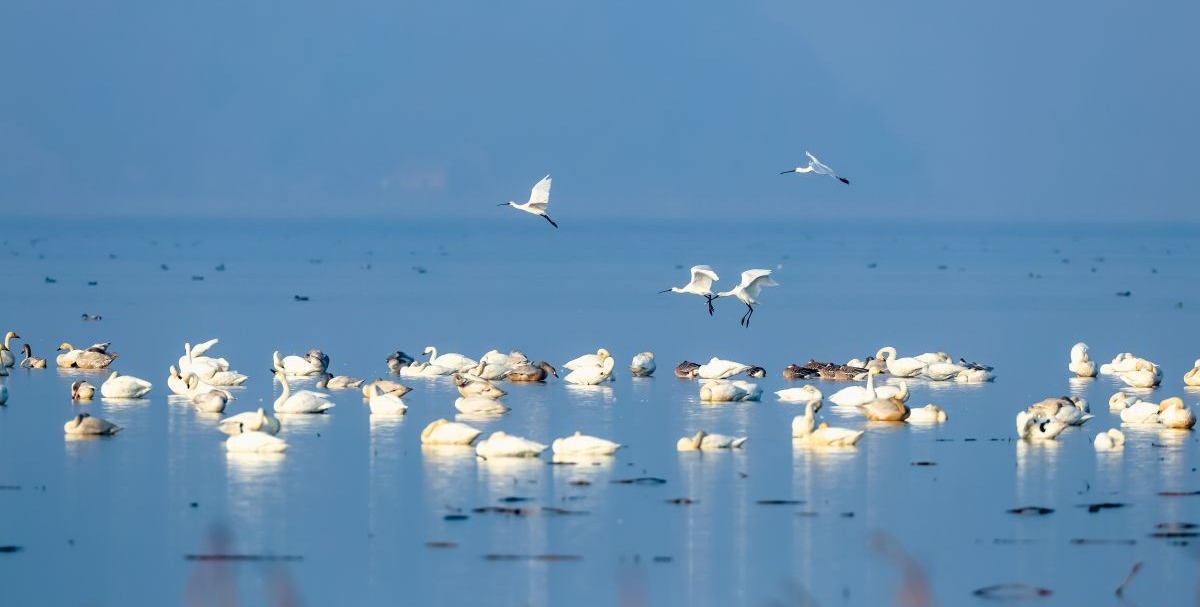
pixel 213 580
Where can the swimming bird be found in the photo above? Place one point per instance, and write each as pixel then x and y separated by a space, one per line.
pixel 941 371
pixel 900 367
pixel 96 356
pixel 1033 428
pixel 176 382
pixel 386 404
pixel 6 356
pixel 725 391
pixel 815 166
pixel 756 372
pixel 311 363
pixel 1192 378
pixel 687 370
pixel 124 386
pixel 528 372
pixel 419 368
pixel 1081 364
pixel 587 360
pixel 928 414
pixel 212 401
pixel 930 358
pixel 1141 413
pixel 643 365
pixel 538 199
pixel 469 385
pixel 446 432
pixel 250 421
pixel 254 441
pixel 885 410
pixel 30 361
pixel 581 444
pixel 747 291
pixel 701 284
pixel 479 405
pixel 501 444
pixel 592 376
pixel 703 441
pixel 972 376
pixel 451 360
pixel 387 386
pixel 824 436
pixel 717 368
pixel 853 396
pixel 802 394
pixel 794 371
pixel 85 424
pixel 82 390
pixel 302 401
pixel 1123 363
pixel 1119 401
pixel 329 381
pixel 1069 410
pixel 396 360
pixel 195 386
pixel 1109 440
pixel 1172 413
pixel 1145 374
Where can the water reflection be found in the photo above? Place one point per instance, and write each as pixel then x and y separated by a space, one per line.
pixel 1080 385
pixel 590 395
pixel 254 495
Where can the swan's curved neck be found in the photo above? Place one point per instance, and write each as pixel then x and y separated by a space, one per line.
pixel 432 353
pixel 287 390
pixel 809 419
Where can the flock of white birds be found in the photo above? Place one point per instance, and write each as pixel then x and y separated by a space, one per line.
pixel 205 382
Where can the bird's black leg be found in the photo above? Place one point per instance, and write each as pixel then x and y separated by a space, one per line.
pixel 747 315
pixel 710 299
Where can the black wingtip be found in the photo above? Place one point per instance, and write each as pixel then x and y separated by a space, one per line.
pixel 844 180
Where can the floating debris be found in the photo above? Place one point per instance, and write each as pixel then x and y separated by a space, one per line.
pixel 1124 293
pixel 1031 510
pixel 1175 534
pixel 923 463
pixel 681 501
pixel 220 267
pixel 50 280
pixel 419 270
pixel 197 277
pixel 514 499
pixel 90 317
pixel 164 267
pixel 10 549
pixel 455 517
pixel 779 502
pixel 1011 592
pixel 300 297
pixel 1129 578
pixel 1171 526
pixel 441 545
pixel 641 480
pixel 663 559
pixel 92 283
pixel 1178 493
pixel 1086 541
pixel 580 483
pixel 241 557
pixel 1097 507
pixel 533 557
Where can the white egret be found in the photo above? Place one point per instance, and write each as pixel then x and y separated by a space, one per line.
pixel 538 199
pixel 747 291
pixel 815 166
pixel 701 284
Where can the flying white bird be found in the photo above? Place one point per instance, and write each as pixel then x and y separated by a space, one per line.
pixel 747 291
pixel 815 166
pixel 702 279
pixel 538 199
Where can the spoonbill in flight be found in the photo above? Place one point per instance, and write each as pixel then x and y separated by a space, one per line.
pixel 702 279
pixel 747 291
pixel 538 199
pixel 815 166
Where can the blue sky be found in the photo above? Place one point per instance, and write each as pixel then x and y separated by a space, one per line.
pixel 1020 110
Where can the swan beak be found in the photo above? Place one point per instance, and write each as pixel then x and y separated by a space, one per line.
pixel 665 291
pixel 503 204
pixel 787 171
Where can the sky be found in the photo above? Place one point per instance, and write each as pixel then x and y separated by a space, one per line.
pixel 1023 111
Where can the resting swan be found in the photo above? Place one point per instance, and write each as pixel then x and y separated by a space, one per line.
pixel 446 432
pixel 500 444
pixel 581 444
pixel 124 386
pixel 824 436
pixel 703 441
pixel 303 401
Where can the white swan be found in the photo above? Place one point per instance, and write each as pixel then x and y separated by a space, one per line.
pixel 298 365
pixel 974 376
pixel 254 441
pixel 1192 378
pixel 82 390
pixel 588 360
pixel 900 367
pixel 703 441
pixel 124 386
pixel 479 405
pixel 1120 400
pixel 489 370
pixel 470 385
pixel 7 359
pixel 1110 440
pixel 942 371
pixel 227 378
pixel 192 361
pixel 1172 413
pixel 1033 428
pixel 452 360
pixel 303 401
pixel 1140 413
pixel 250 421
pixel 824 436
pixel 212 401
pixel 176 382
pixel 725 391
pixel 329 381
pixel 1066 409
pixel 84 424
pixel 643 365
pixel 446 432
pixel 386 404
pixel 591 376
pixel 1081 365
pixel 929 414
pixel 717 368
pixel 96 356
pixel 1143 375
pixel 30 361
pixel 195 386
pixel 853 396
pixel 802 394
pixel 581 444
pixel 500 444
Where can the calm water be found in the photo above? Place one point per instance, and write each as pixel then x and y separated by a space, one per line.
pixel 357 499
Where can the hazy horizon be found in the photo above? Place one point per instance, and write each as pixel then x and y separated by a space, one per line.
pixel 1024 112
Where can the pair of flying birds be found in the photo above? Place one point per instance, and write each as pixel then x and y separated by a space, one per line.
pixel 747 291
pixel 540 196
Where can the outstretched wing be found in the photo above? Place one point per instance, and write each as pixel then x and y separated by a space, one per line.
pixel 703 277
pixel 754 280
pixel 200 348
pixel 540 196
